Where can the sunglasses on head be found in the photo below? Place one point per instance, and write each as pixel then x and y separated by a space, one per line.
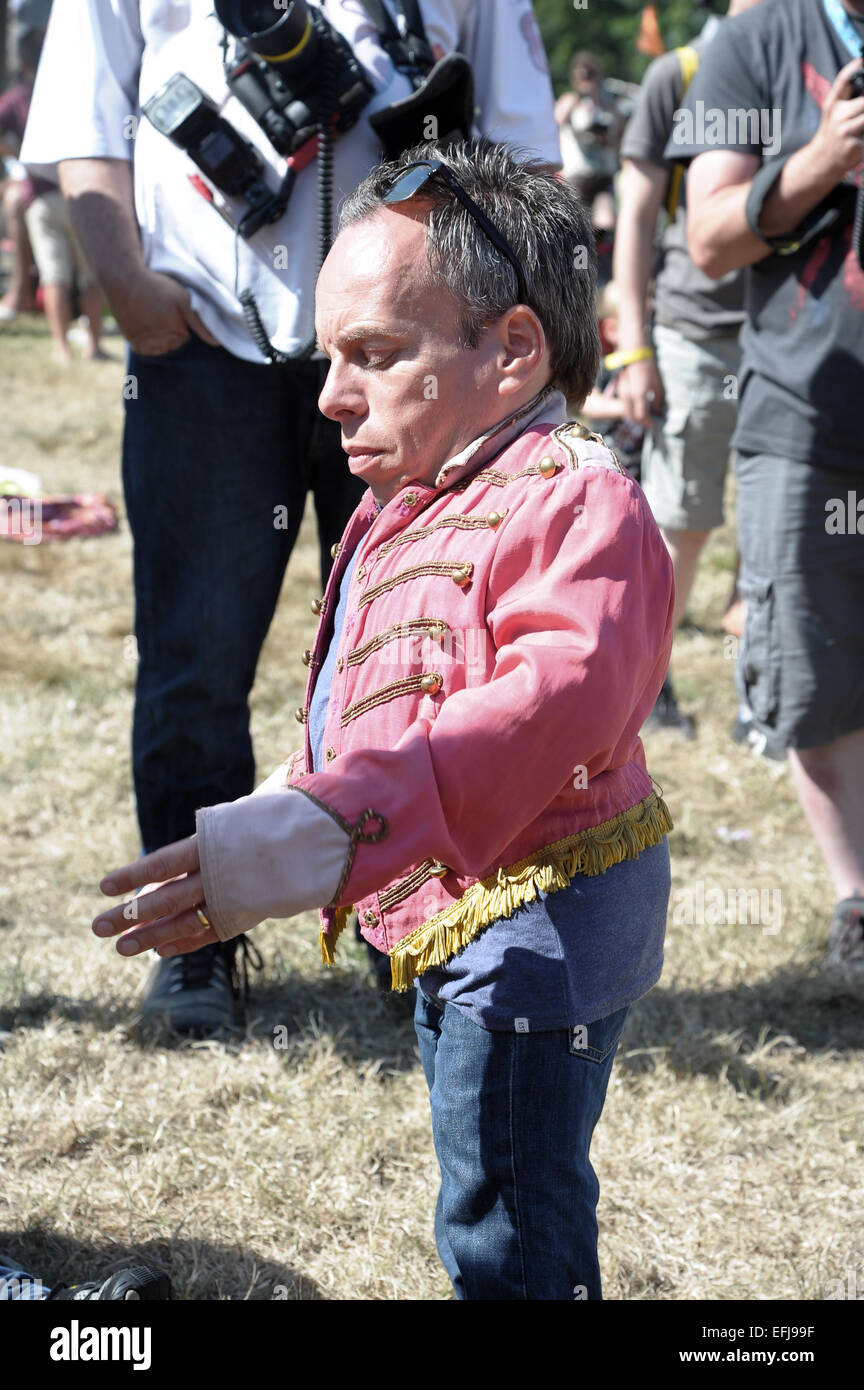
pixel 413 180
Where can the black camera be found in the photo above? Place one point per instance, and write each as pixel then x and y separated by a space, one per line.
pixel 299 79
pixel 294 73
pixel 297 76
pixel 191 120
pixel 600 124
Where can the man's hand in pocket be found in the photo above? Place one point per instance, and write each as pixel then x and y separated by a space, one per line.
pixel 155 316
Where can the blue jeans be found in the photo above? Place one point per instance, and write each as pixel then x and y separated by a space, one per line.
pixel 512 1120
pixel 213 448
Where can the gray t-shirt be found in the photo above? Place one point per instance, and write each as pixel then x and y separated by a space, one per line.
pixel 802 371
pixel 684 296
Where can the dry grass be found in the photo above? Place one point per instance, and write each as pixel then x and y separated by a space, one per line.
pixel 731 1140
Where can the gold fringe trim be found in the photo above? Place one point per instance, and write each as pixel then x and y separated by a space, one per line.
pixel 590 852
pixel 327 939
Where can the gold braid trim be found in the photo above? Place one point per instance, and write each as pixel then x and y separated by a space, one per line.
pixel 410 628
pixel 590 852
pixel 406 686
pixel 498 478
pixel 462 523
pixel 327 939
pixel 450 569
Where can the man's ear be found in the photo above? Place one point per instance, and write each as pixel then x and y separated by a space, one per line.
pixel 522 350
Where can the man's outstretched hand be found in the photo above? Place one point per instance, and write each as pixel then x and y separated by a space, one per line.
pixel 163 919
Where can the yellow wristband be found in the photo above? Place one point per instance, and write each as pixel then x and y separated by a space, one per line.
pixel 626 359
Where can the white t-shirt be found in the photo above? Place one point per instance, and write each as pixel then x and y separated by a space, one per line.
pixel 103 59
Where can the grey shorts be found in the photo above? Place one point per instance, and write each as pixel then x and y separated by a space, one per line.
pixel 56 249
pixel 801 660
pixel 686 455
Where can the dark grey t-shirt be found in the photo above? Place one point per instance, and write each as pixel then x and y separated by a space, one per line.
pixel 802 374
pixel 684 296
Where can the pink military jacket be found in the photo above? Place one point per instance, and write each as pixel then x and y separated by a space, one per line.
pixel 508 629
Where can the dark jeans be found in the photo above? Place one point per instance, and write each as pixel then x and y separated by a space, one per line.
pixel 213 446
pixel 512 1120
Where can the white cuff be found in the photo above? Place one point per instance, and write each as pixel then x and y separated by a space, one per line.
pixel 271 854
pixel 277 781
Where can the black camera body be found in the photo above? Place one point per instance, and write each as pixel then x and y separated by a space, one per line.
pixel 300 80
pixel 293 74
pixel 298 77
pixel 600 124
pixel 191 120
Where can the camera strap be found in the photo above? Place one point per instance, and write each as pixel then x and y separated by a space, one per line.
pixel 405 44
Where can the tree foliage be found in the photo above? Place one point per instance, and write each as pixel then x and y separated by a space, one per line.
pixel 609 28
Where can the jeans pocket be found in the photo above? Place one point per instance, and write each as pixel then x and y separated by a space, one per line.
pixel 171 354
pixel 593 1042
pixel 759 659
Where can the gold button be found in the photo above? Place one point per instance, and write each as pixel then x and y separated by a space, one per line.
pixel 548 466
pixel 335 549
pixel 494 519
pixel 361 571
pixel 330 754
pixel 438 870
pixel 370 917
pixel 340 664
pixel 317 606
pixel 300 715
pixel 410 499
pixel 307 657
pixel 581 431
pixel 437 633
pixel 431 683
pixel 462 575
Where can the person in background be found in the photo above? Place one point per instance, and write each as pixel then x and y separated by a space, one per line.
pixel 604 409
pixel 63 267
pixel 18 188
pixel 41 229
pixel 779 194
pixel 591 117
pixel 590 122
pixel 680 382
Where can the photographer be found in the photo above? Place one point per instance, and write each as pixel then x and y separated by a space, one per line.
pixel 781 200
pixel 220 448
pixel 590 120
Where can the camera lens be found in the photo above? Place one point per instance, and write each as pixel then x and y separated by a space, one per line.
pixel 266 30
